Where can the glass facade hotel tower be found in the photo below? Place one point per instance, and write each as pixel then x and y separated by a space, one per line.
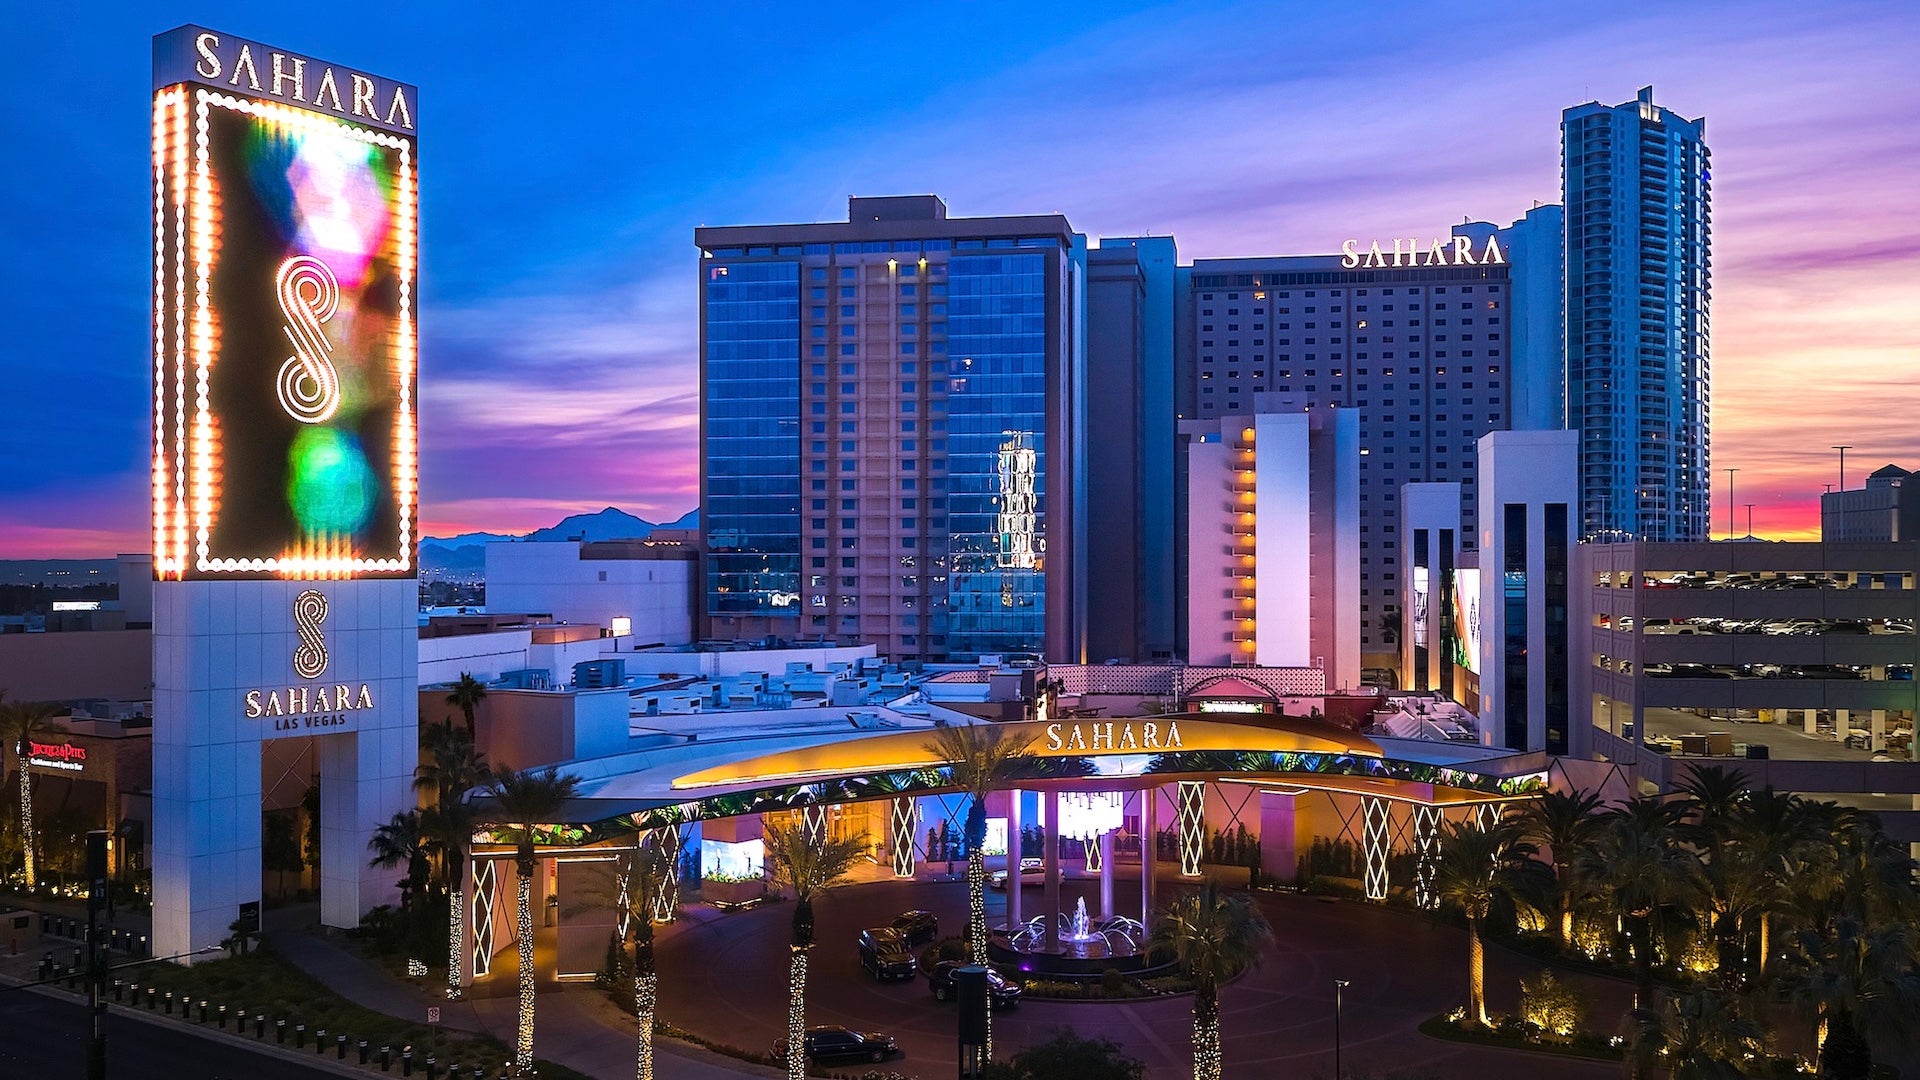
pixel 1638 280
pixel 891 431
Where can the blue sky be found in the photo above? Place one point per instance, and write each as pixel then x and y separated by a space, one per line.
pixel 566 163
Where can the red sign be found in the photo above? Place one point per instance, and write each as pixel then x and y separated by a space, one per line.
pixel 61 752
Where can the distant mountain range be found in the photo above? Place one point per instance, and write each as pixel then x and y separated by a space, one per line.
pixel 466 555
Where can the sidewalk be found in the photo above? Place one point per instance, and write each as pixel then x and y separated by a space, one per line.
pixel 576 1027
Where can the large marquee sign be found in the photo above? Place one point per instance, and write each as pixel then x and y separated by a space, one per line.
pixel 284 260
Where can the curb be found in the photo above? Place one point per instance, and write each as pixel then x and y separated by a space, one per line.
pixel 313 1060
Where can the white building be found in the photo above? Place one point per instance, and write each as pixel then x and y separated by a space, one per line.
pixel 1529 489
pixel 637 592
pixel 1273 541
pixel 1437 627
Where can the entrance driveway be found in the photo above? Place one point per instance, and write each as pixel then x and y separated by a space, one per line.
pixel 724 977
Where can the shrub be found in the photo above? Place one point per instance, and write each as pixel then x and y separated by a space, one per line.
pixel 1551 1005
pixel 1112 982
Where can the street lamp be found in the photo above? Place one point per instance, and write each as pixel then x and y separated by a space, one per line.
pixel 1730 525
pixel 1843 448
pixel 1338 985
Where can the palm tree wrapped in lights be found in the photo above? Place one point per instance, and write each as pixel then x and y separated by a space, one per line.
pixel 21 722
pixel 1479 871
pixel 806 867
pixel 1214 936
pixel 524 800
pixel 451 767
pixel 980 758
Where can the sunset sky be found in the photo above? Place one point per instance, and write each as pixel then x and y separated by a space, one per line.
pixel 565 164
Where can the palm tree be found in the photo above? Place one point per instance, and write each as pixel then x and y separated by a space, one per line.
pixel 403 840
pixel 649 873
pixel 467 695
pixel 1718 795
pixel 980 757
pixel 1776 835
pixel 1697 1036
pixel 1850 979
pixel 1213 936
pixel 524 800
pixel 22 721
pixel 1650 877
pixel 1567 824
pixel 450 768
pixel 1479 871
pixel 806 867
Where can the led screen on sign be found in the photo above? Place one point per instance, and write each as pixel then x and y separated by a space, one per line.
pixel 284 337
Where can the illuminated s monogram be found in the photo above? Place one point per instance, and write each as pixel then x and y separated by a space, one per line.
pixel 310 657
pixel 309 386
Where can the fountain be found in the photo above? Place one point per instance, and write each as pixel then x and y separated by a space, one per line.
pixel 1083 945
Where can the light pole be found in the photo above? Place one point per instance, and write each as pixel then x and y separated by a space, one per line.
pixel 1338 985
pixel 1730 525
pixel 1843 448
pixel 1749 519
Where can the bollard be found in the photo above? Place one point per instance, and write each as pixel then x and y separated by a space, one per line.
pixel 299 1036
pixel 203 1010
pixel 152 993
pixel 259 1025
pixel 320 1041
pixel 363 1051
pixel 386 1058
pixel 430 1067
pixel 169 1003
pixel 406 1061
pixel 341 1042
pixel 46 966
pixel 223 1018
pixel 280 1029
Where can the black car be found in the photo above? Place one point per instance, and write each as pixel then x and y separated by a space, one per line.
pixel 828 1045
pixel 917 926
pixel 884 953
pixel 1003 992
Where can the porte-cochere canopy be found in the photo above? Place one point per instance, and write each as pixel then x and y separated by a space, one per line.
pixel 708 778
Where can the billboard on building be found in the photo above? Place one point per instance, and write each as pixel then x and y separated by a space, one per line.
pixel 284 259
pixel 1466 619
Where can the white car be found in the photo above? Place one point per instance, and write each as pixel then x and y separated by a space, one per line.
pixel 1029 868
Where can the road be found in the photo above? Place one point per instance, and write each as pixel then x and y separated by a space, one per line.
pixel 723 977
pixel 47 1040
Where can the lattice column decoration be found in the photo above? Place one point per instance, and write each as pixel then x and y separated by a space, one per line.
pixel 813 818
pixel 1091 845
pixel 666 903
pixel 1426 834
pixel 1487 815
pixel 903 820
pixel 1193 826
pixel 486 893
pixel 1376 815
pixel 622 871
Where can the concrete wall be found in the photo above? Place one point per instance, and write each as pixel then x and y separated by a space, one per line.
pixel 552 578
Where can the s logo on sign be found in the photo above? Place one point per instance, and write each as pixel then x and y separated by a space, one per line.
pixel 308 384
pixel 310 656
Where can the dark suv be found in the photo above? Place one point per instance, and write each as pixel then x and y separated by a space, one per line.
pixel 828 1045
pixel 1003 992
pixel 917 926
pixel 884 952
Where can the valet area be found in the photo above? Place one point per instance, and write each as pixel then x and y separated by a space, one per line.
pixel 1105 813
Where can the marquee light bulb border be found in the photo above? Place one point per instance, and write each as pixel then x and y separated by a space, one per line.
pixel 186 333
